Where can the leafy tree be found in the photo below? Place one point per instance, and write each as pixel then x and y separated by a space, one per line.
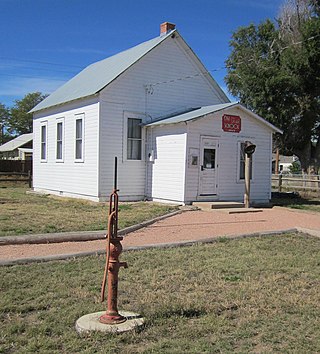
pixel 295 167
pixel 20 121
pixel 274 69
pixel 4 117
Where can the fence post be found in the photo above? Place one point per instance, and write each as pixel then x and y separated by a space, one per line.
pixel 280 183
pixel 30 178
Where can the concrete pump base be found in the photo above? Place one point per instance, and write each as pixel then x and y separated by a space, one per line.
pixel 90 322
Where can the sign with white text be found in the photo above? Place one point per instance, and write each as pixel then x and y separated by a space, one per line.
pixel 231 123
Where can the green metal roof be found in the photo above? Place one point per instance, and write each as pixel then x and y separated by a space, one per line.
pixel 192 114
pixel 96 76
pixel 202 111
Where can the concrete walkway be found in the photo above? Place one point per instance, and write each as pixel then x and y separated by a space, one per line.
pixel 182 228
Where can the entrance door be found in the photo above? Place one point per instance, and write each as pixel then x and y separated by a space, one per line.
pixel 208 166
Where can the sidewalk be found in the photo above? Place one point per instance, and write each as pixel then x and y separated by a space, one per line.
pixel 186 227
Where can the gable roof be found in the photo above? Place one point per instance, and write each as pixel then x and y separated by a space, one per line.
pixel 16 142
pixel 97 76
pixel 285 159
pixel 203 111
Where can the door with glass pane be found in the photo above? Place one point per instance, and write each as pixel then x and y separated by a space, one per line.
pixel 208 166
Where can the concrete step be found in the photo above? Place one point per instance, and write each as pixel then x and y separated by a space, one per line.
pixel 217 205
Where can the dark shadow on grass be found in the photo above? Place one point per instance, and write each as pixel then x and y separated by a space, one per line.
pixel 291 199
pixel 230 308
pixel 181 312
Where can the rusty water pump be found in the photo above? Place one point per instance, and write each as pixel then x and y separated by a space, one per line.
pixel 113 251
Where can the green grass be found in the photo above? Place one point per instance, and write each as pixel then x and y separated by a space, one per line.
pixel 23 213
pixel 251 295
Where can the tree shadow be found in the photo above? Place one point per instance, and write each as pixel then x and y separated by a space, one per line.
pixel 293 198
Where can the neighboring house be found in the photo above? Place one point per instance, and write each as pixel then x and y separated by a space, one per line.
pixel 285 162
pixel 19 148
pixel 154 106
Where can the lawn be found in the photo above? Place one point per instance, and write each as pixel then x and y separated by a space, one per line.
pixel 301 203
pixel 23 213
pixel 249 295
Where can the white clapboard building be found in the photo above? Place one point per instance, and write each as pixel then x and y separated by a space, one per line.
pixel 177 136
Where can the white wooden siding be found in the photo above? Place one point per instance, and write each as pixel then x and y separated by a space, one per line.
pixel 229 185
pixel 166 173
pixel 164 63
pixel 68 178
pixel 131 174
pixel 131 93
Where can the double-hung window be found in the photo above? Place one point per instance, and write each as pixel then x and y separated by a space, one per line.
pixel 43 137
pixel 134 139
pixel 59 142
pixel 79 137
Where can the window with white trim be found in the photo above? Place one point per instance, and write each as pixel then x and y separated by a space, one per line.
pixel 59 142
pixel 79 137
pixel 134 139
pixel 43 137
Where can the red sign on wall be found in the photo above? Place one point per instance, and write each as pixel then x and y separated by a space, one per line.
pixel 231 123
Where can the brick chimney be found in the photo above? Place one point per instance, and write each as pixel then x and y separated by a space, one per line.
pixel 166 27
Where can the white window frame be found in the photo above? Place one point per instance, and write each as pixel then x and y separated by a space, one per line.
pixel 81 117
pixel 127 116
pixel 60 121
pixel 241 180
pixel 44 124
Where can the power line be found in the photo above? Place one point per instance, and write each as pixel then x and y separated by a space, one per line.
pixel 207 72
pixel 41 62
pixel 39 68
pixel 30 77
pixel 44 69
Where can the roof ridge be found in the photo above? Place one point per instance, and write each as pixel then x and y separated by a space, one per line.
pixel 131 48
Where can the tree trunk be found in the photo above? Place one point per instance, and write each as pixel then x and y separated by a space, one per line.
pixel 304 157
pixel 316 157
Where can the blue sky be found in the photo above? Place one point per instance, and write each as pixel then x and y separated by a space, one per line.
pixel 43 43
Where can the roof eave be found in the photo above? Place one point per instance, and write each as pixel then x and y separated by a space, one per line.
pixel 64 103
pixel 201 115
pixel 206 73
pixel 262 120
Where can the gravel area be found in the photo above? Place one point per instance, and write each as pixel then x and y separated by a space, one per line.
pixel 187 226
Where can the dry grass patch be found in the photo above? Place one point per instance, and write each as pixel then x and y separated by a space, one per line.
pixel 250 295
pixel 28 214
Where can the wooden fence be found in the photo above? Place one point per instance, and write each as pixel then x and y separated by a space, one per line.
pixel 17 166
pixel 16 177
pixel 297 182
